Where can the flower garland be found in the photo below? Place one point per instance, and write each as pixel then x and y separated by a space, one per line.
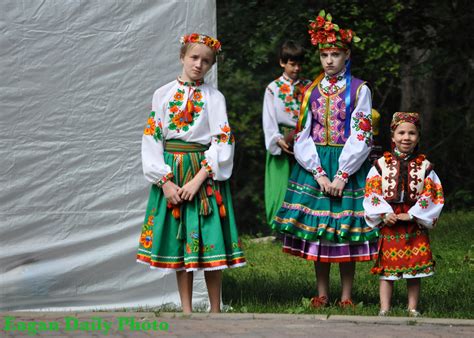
pixel 326 34
pixel 212 43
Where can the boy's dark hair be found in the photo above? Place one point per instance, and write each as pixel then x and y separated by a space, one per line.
pixel 291 51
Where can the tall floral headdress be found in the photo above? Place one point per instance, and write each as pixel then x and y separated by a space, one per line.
pixel 401 117
pixel 209 41
pixel 326 34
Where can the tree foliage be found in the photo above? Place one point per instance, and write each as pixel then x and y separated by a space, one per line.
pixel 416 55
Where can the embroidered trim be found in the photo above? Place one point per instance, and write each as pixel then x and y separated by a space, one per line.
pixel 290 92
pixel 164 179
pixel 205 164
pixel 181 118
pixel 196 83
pixel 318 172
pixel 342 175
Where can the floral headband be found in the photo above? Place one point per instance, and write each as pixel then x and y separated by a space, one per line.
pixel 326 34
pixel 212 43
pixel 401 117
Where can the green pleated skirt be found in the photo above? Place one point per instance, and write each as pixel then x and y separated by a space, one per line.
pixel 197 235
pixel 314 222
pixel 277 173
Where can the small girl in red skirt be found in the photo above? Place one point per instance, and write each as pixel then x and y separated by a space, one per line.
pixel 403 198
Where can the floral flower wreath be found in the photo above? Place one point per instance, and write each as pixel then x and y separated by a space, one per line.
pixel 326 34
pixel 212 43
pixel 401 117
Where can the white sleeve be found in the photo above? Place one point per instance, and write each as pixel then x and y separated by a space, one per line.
pixel 305 149
pixel 430 203
pixel 155 169
pixel 219 158
pixel 375 206
pixel 270 123
pixel 358 145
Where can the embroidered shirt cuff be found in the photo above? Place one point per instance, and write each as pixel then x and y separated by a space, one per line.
pixel 164 179
pixel 208 168
pixel 342 175
pixel 318 172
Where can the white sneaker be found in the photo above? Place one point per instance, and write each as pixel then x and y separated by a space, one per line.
pixel 413 313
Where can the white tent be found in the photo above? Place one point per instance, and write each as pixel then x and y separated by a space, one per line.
pixel 77 78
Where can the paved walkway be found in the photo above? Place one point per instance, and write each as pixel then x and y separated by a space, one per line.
pixel 147 324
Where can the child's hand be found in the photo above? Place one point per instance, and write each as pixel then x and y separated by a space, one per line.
pixel 189 190
pixel 324 183
pixel 336 187
pixel 390 219
pixel 284 146
pixel 170 190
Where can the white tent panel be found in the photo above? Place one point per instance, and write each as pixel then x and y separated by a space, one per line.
pixel 75 92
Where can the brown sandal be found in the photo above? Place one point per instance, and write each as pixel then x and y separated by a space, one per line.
pixel 346 304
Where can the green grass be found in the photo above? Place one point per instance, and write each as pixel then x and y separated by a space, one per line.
pixel 274 282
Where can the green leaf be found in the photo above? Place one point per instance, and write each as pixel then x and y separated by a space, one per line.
pixel 336 28
pixel 329 17
pixel 356 39
pixel 322 13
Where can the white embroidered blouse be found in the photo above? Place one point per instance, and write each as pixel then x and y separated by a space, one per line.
pixel 191 112
pixel 281 104
pixel 358 145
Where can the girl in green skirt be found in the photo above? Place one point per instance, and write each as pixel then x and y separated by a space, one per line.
pixel 187 154
pixel 322 215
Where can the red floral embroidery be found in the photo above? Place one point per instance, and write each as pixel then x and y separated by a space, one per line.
pixel 434 191
pixel 365 124
pixel 423 203
pixel 227 136
pixel 375 201
pixel 373 185
pixel 419 159
pixel 285 89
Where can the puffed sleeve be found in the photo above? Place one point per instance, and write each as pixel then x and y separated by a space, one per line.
pixel 155 169
pixel 270 123
pixel 219 158
pixel 430 203
pixel 305 149
pixel 358 145
pixel 375 206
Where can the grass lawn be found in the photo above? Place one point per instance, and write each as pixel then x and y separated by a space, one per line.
pixel 274 282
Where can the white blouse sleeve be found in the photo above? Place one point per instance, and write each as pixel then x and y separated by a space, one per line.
pixel 219 158
pixel 430 203
pixel 155 169
pixel 305 150
pixel 358 145
pixel 375 206
pixel 270 123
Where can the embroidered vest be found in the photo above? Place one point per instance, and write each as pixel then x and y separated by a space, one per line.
pixel 329 114
pixel 401 175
